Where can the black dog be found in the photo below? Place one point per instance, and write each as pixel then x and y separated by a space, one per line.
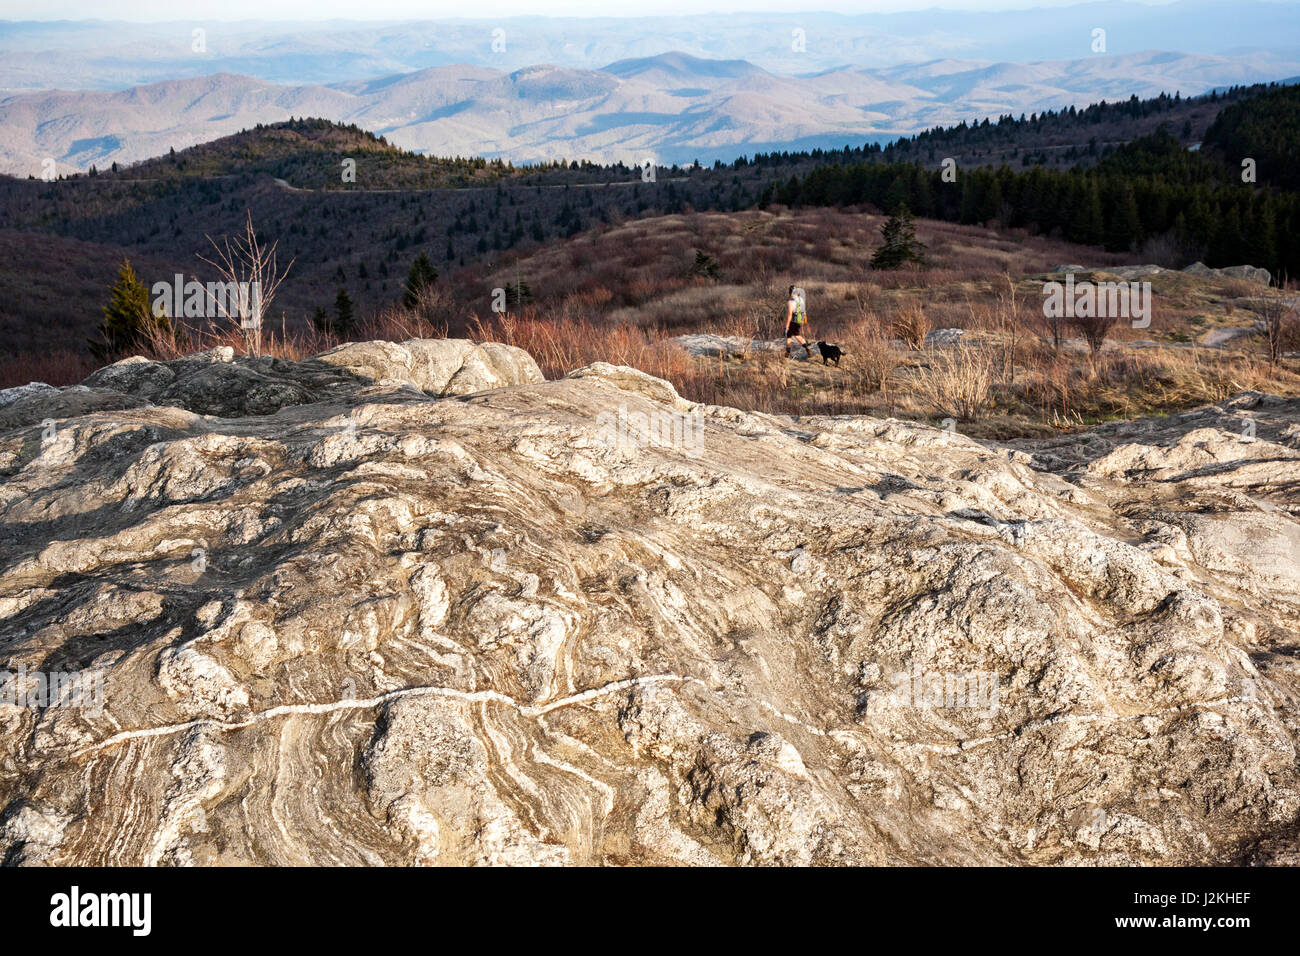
pixel 830 353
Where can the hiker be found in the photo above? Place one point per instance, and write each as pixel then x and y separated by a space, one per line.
pixel 796 317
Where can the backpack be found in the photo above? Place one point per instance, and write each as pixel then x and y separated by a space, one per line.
pixel 800 307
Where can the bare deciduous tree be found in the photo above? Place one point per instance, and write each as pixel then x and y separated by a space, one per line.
pixel 248 265
pixel 1007 320
pixel 1276 314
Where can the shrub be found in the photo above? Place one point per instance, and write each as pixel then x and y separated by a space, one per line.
pixel 958 382
pixel 911 324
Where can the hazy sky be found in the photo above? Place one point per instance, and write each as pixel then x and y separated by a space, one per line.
pixel 172 10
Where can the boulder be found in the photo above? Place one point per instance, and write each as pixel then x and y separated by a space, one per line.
pixel 944 338
pixel 436 366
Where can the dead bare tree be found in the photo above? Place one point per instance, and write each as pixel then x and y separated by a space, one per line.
pixel 1007 321
pixel 1276 315
pixel 250 280
pixel 1052 326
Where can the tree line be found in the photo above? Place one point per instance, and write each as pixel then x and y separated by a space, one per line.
pixel 1206 217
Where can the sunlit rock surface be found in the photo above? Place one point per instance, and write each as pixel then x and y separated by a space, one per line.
pixel 343 612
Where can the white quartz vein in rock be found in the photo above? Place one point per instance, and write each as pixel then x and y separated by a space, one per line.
pixel 285 710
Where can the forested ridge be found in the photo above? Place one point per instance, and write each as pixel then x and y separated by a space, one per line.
pixel 1151 192
pixel 1150 195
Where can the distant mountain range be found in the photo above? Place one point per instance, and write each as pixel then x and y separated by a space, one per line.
pixel 109 55
pixel 671 107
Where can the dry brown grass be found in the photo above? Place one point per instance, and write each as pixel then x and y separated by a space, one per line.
pixel 958 383
pixel 559 346
pixel 910 323
pixel 619 293
pixel 55 368
pixel 870 356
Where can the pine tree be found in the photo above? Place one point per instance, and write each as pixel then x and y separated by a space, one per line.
pixel 128 318
pixel 1088 223
pixel 343 317
pixel 422 276
pixel 1226 240
pixel 1262 244
pixel 922 192
pixel 991 203
pixel 899 192
pixel 972 198
pixel 705 265
pixel 517 293
pixel 1125 228
pixel 321 319
pixel 900 245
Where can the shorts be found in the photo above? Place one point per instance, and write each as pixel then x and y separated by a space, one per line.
pixel 793 329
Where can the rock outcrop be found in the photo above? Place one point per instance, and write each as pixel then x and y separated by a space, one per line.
pixel 1249 273
pixel 216 383
pixel 339 612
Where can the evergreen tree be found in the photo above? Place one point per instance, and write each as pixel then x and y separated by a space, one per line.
pixel 128 318
pixel 991 204
pixel 1088 224
pixel 517 293
pixel 1261 245
pixel 1227 240
pixel 321 319
pixel 422 275
pixel 899 192
pixel 900 242
pixel 1125 228
pixel 705 265
pixel 788 194
pixel 972 197
pixel 922 192
pixel 343 316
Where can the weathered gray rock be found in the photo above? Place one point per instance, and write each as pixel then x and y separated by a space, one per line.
pixel 436 366
pixel 944 338
pixel 217 383
pixel 708 343
pixel 587 621
pixel 1135 272
pixel 1249 273
pixel 10 395
pixel 1224 336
